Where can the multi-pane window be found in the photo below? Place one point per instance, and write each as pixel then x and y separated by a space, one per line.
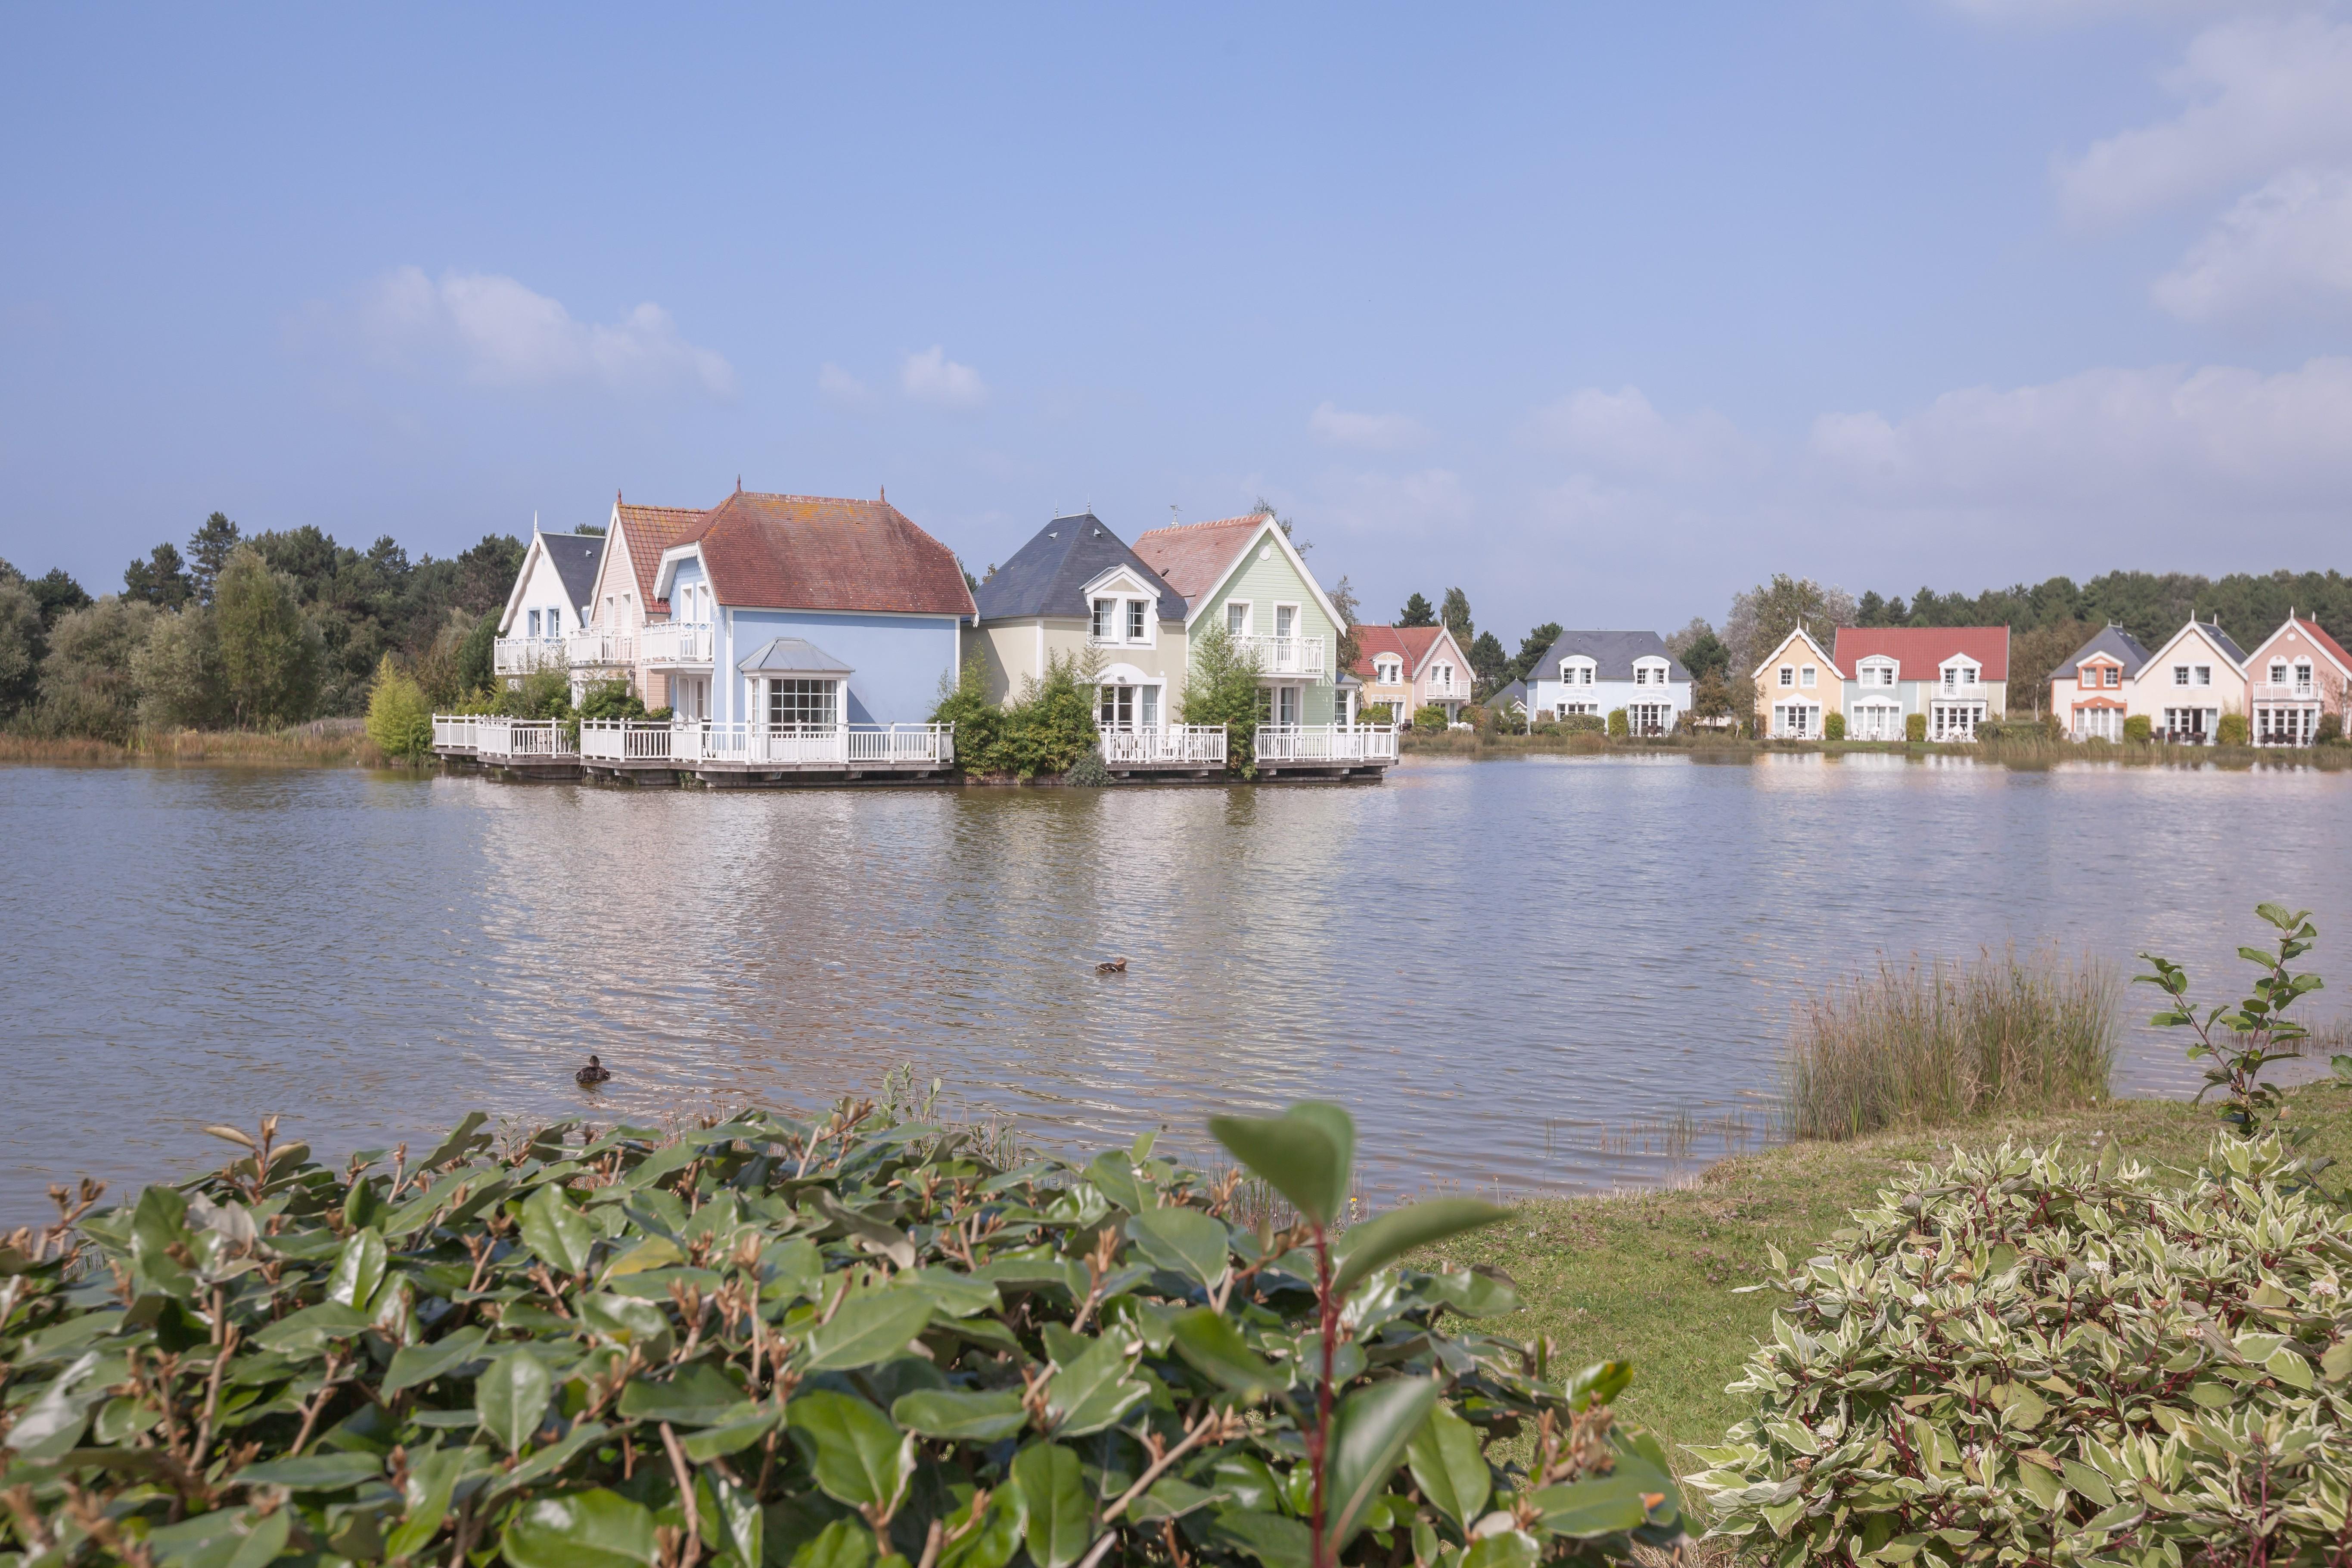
pixel 534 623
pixel 2278 673
pixel 800 704
pixel 2114 677
pixel 2303 678
pixel 1285 620
pixel 1809 676
pixel 2204 675
pixel 1104 610
pixel 1117 711
pixel 2179 675
pixel 1135 620
pixel 1237 619
pixel 1787 676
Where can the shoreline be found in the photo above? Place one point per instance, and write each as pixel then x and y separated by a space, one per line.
pixel 2015 753
pixel 330 744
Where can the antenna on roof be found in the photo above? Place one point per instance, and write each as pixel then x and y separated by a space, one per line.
pixel 1171 514
pixel 886 492
pixel 739 484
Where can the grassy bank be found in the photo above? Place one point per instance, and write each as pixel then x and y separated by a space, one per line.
pixel 323 743
pixel 1650 1276
pixel 2027 753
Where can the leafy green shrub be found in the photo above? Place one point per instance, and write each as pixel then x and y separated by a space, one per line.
pixel 1089 772
pixel 2331 728
pixel 1834 727
pixel 1045 730
pixel 2029 1358
pixel 1619 726
pixel 1914 727
pixel 1580 724
pixel 2245 1037
pixel 2138 729
pixel 2231 730
pixel 1220 688
pixel 399 719
pixel 788 1342
pixel 1377 713
pixel 1429 716
pixel 614 699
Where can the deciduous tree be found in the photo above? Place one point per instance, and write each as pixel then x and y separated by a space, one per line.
pixel 269 650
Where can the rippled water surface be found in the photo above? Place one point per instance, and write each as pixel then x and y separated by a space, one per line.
pixel 1540 974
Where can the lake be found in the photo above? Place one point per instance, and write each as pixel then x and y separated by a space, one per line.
pixel 1546 974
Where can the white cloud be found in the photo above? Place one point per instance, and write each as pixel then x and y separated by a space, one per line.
pixel 1621 432
pixel 932 377
pixel 1373 432
pixel 836 384
pixel 2288 243
pixel 2265 95
pixel 505 334
pixel 2110 444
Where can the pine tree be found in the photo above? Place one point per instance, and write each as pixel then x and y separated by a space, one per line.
pixel 209 549
pixel 1416 613
pixel 160 580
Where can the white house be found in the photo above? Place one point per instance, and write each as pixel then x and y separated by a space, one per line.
pixel 2189 683
pixel 548 601
pixel 1598 672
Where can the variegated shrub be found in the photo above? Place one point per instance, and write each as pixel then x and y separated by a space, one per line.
pixel 2031 1358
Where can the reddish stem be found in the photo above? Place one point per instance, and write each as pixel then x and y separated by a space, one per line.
pixel 1318 1441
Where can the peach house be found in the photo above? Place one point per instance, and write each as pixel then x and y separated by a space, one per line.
pixel 2088 693
pixel 1796 687
pixel 1412 667
pixel 2189 683
pixel 2295 677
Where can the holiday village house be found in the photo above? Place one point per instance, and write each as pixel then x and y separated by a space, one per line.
pixel 1792 685
pixel 2293 679
pixel 1411 668
pixel 2087 692
pixel 632 633
pixel 2188 684
pixel 1598 672
pixel 1955 677
pixel 550 599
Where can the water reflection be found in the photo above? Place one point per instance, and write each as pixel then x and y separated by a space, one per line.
pixel 1557 973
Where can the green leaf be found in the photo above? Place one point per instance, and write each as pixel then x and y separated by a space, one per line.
pixel 1002 1523
pixel 1061 1514
pixel 1305 1154
pixel 1503 1549
pixel 1375 1244
pixel 1450 1469
pixel 359 1271
pixel 463 1140
pixel 868 1329
pixel 1171 1499
pixel 1210 1343
pixel 313 1327
pixel 733 1437
pixel 1183 1241
pixel 414 1364
pixel 699 1394
pixel 1272 1540
pixel 657 1252
pixel 511 1397
pixel 1471 1293
pixel 625 1322
pixel 596 1528
pixel 844 1543
pixel 731 1515
pixel 432 1478
pixel 1599 1383
pixel 559 1233
pixel 1368 1438
pixel 858 1456
pixel 1603 1507
pixel 314 1472
pixel 1093 1391
pixel 267 1541
pixel 959 1416
pixel 1113 1174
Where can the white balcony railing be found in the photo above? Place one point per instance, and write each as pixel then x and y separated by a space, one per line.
pixel 520 655
pixel 2285 692
pixel 807 745
pixel 525 737
pixel 1288 656
pixel 620 741
pixel 1325 743
pixel 1194 745
pixel 453 732
pixel 1965 691
pixel 602 651
pixel 676 642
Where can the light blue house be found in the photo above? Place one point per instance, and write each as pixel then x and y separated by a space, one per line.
pixel 801 613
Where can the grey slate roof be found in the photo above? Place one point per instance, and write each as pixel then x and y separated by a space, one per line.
pixel 574 557
pixel 1048 575
pixel 1503 696
pixel 2115 642
pixel 792 656
pixel 1611 653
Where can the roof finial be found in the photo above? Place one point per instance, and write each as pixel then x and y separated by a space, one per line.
pixel 886 492
pixel 739 484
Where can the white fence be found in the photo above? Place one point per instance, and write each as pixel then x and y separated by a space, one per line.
pixel 676 642
pixel 523 738
pixel 815 745
pixel 618 741
pixel 1325 743
pixel 602 651
pixel 453 732
pixel 1286 656
pixel 520 655
pixel 1174 745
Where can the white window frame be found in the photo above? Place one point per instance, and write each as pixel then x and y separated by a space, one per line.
pixel 1809 676
pixel 1136 628
pixel 1294 610
pixel 1248 617
pixel 1788 678
pixel 1102 617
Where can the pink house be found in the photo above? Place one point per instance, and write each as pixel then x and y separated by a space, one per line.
pixel 2295 677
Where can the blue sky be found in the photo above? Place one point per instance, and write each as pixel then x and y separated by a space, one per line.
pixel 1599 313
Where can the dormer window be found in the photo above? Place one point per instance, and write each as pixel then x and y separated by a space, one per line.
pixel 1135 620
pixel 1387 670
pixel 2114 676
pixel 1105 609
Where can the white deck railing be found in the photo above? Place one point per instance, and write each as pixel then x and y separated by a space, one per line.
pixel 600 651
pixel 2284 692
pixel 676 642
pixel 520 655
pixel 1327 743
pixel 622 740
pixel 1180 745
pixel 807 745
pixel 495 737
pixel 453 732
pixel 1287 656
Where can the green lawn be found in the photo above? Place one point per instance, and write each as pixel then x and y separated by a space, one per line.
pixel 1650 1276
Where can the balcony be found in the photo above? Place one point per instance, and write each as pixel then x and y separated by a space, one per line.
pixel 2285 692
pixel 1172 746
pixel 676 643
pixel 1288 656
pixel 522 656
pixel 1966 691
pixel 1315 744
pixel 602 651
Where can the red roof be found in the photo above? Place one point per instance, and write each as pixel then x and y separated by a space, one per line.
pixel 2318 634
pixel 650 530
pixel 1193 557
pixel 819 553
pixel 1919 652
pixel 1410 643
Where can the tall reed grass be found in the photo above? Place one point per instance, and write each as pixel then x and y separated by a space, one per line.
pixel 1952 1041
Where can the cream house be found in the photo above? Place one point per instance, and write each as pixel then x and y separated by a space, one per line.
pixel 631 632
pixel 1076 591
pixel 2189 683
pixel 1797 686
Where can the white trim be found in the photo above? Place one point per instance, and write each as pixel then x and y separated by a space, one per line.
pixel 1757 673
pixel 1249 618
pixel 677 556
pixel 1241 557
pixel 514 595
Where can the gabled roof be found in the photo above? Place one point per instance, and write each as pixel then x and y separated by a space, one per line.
pixel 574 557
pixel 1612 654
pixel 1919 652
pixel 2319 639
pixel 2114 642
pixel 2212 632
pixel 1795 633
pixel 648 530
pixel 1049 576
pixel 1504 696
pixel 825 553
pixel 1193 558
pixel 1414 645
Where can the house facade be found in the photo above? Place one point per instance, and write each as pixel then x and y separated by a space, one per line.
pixel 549 600
pixel 1244 574
pixel 1797 688
pixel 808 613
pixel 1954 677
pixel 2295 677
pixel 2089 694
pixel 1598 672
pixel 1076 591
pixel 1411 667
pixel 2188 684
pixel 668 667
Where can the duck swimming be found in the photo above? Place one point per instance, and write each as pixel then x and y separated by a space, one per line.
pixel 1111 967
pixel 594 1072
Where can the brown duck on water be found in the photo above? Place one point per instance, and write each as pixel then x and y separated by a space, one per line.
pixel 595 1072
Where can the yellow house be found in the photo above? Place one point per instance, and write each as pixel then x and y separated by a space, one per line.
pixel 1797 687
pixel 1077 590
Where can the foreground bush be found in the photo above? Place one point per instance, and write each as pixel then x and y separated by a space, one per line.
pixel 1952 1041
pixel 788 1343
pixel 2028 1358
pixel 399 715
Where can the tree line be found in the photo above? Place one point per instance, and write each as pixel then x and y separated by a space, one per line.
pixel 246 631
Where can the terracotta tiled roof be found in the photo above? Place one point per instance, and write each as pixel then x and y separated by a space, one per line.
pixel 650 530
pixel 2318 634
pixel 1193 557
pixel 1919 651
pixel 1411 643
pixel 820 553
